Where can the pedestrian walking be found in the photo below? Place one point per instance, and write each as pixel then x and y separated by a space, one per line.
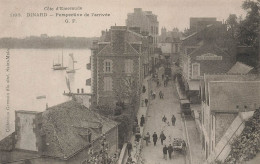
pixel 173 120
pixel 146 102
pixel 164 119
pixel 144 89
pixel 134 127
pixel 160 94
pixel 158 83
pixel 155 137
pixel 129 147
pixel 147 138
pixel 137 136
pixel 142 121
pixel 129 160
pixel 154 95
pixel 170 150
pixel 165 152
pixel 162 137
pixel 162 76
pixel 136 120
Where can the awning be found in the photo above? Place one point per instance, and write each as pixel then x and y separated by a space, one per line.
pixel 194 85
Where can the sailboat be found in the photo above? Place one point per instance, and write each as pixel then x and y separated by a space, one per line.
pixel 59 66
pixel 71 65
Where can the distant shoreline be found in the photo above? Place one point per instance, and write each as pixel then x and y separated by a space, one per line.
pixel 34 42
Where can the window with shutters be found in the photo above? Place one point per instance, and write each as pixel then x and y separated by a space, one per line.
pixel 195 70
pixel 108 66
pixel 129 66
pixel 108 84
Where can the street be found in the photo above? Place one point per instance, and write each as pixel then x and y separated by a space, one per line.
pixel 158 108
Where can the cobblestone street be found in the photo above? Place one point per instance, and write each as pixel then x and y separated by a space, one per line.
pixel 158 108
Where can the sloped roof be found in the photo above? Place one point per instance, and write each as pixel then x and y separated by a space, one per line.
pixel 64 125
pixel 240 68
pixel 208 47
pixel 228 95
pixel 227 77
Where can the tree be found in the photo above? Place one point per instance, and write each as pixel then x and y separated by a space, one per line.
pixel 232 25
pixel 127 90
pixel 249 27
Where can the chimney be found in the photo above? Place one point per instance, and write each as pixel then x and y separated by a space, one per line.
pixel 103 33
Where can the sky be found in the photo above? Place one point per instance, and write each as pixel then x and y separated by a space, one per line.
pixel 171 13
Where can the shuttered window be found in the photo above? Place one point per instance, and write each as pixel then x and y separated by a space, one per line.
pixel 108 84
pixel 128 66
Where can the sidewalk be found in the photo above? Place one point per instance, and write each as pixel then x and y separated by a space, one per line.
pixel 142 111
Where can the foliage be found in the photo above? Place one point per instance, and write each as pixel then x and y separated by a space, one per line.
pixel 247 145
pixel 127 90
pixel 126 120
pixel 232 25
pixel 246 30
pixel 105 110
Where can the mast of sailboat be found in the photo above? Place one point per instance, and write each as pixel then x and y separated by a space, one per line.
pixel 73 62
pixel 62 58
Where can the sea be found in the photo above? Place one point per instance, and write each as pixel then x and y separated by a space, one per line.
pixel 26 74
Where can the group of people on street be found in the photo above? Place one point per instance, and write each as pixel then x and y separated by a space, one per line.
pixel 173 120
pixel 168 150
pixel 147 137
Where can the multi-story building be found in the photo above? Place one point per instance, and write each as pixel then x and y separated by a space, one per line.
pixel 171 48
pixel 227 101
pixel 63 134
pixel 175 33
pixel 208 51
pixel 118 64
pixel 146 20
pixel 199 23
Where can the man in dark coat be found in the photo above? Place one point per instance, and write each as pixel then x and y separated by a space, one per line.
pixel 164 119
pixel 129 148
pixel 170 150
pixel 173 120
pixel 155 137
pixel 165 152
pixel 162 137
pixel 146 102
pixel 144 89
pixel 142 121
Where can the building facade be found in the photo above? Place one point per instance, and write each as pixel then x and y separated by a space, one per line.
pixel 199 23
pixel 146 20
pixel 208 51
pixel 119 63
pixel 227 101
pixel 175 33
pixel 171 49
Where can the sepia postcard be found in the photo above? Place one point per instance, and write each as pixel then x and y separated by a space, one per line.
pixel 129 81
